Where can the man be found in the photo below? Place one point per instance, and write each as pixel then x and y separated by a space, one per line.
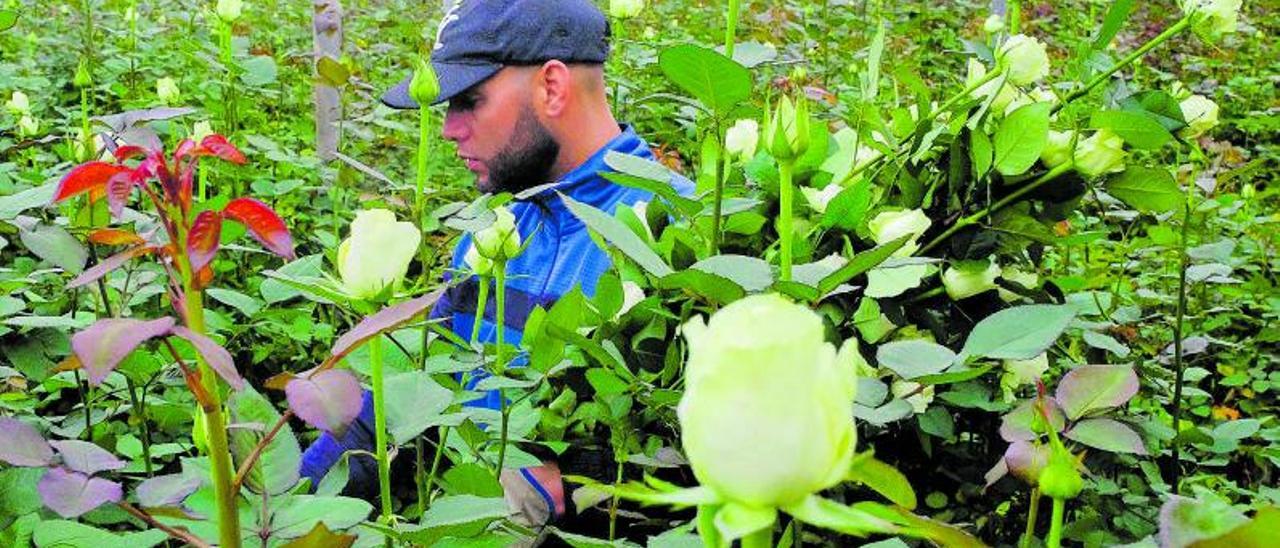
pixel 524 80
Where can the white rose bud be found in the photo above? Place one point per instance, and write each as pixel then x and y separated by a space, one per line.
pixel 625 9
pixel 796 436
pixel 228 10
pixel 1057 150
pixel 1025 58
pixel 167 91
pixel 1100 154
pixel 28 126
pixel 1201 115
pixel 741 139
pixel 1211 19
pixel 377 254
pixel 970 278
pixel 891 225
pixel 18 104
pixel 993 24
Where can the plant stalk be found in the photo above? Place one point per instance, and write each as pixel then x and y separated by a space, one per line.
pixel 1178 364
pixel 380 425
pixel 1032 513
pixel 759 539
pixel 499 360
pixel 785 197
pixel 731 27
pixel 1055 528
pixel 1001 204
pixel 1168 33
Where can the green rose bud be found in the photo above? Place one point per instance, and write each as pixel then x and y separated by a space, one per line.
pixel 1212 19
pixel 1025 58
pixel 1061 479
pixel 787 130
pixel 376 256
pixel 1201 115
pixel 83 78
pixel 499 241
pixel 18 104
pixel 766 416
pixel 167 91
pixel 625 9
pixel 1102 153
pixel 424 88
pixel 741 139
pixel 891 225
pixel 969 278
pixel 228 10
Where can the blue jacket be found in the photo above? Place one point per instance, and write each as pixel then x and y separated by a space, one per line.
pixel 560 256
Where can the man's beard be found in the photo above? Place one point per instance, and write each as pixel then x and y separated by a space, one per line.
pixel 527 159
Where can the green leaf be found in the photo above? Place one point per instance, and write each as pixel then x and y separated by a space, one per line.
pixel 848 209
pixel 274 291
pixel 937 422
pixel 8 18
pixel 1259 531
pixel 1151 190
pixel 1116 16
pixel 861 263
pixel 277 468
pixel 1138 129
pixel 832 515
pixel 614 232
pixel 883 479
pixel 1107 435
pixel 1185 521
pixel 457 516
pixel 605 382
pixel 980 152
pixel 414 402
pixel 1159 105
pixel 914 358
pixel 303 512
pixel 1018 333
pixel 321 537
pixel 12 205
pixel 259 70
pixel 1021 137
pixel 245 304
pixel 332 72
pixel 69 533
pixel 57 246
pixel 750 273
pixel 718 82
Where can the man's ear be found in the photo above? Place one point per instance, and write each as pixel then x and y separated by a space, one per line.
pixel 554 84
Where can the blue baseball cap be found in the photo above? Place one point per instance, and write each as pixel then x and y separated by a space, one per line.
pixel 477 38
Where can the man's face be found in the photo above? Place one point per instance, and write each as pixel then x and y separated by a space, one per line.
pixel 498 134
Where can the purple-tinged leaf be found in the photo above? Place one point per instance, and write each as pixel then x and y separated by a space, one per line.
pixel 71 494
pixel 1093 387
pixel 168 490
pixel 22 445
pixel 1026 460
pixel 202 240
pixel 85 457
pixel 104 344
pixel 214 354
pixel 119 187
pixel 1107 435
pixel 1024 423
pixel 328 400
pixel 387 319
pixel 108 264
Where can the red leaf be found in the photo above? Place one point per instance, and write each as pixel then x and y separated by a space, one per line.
pixel 214 354
pixel 115 236
pixel 126 152
pixel 263 223
pixel 107 342
pixel 186 148
pixel 387 319
pixel 328 400
pixel 86 177
pixel 108 264
pixel 218 146
pixel 118 189
pixel 202 240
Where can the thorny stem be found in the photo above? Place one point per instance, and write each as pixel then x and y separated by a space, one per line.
pixel 722 173
pixel 500 290
pixel 1011 198
pixel 1178 364
pixel 1168 33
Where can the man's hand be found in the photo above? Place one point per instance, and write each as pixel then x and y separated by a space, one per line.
pixel 534 495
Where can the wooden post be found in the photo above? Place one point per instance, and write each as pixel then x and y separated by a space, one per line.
pixel 327 34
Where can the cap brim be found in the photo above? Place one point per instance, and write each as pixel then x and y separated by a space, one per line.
pixel 453 78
